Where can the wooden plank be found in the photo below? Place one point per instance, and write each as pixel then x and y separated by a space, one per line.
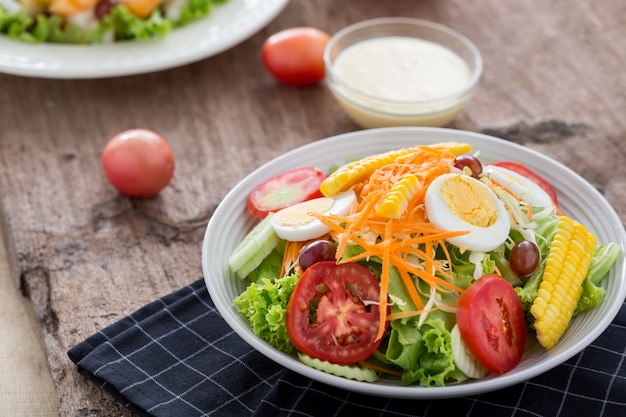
pixel 87 257
pixel 26 389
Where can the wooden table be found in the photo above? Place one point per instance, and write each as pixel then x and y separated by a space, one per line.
pixel 554 80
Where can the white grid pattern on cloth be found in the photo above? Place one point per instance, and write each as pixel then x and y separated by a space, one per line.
pixel 223 376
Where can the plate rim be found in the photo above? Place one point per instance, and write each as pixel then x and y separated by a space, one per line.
pixel 412 392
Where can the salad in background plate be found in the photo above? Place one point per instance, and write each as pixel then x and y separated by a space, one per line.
pixel 418 263
pixel 97 21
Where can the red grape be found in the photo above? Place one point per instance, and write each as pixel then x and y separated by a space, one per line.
pixel 524 258
pixel 470 162
pixel 104 7
pixel 317 251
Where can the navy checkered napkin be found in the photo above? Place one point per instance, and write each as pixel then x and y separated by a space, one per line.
pixel 177 357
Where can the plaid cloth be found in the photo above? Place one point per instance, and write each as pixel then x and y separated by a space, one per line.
pixel 177 357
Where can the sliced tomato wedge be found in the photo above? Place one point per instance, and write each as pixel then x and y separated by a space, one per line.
pixel 531 175
pixel 491 323
pixel 284 190
pixel 326 316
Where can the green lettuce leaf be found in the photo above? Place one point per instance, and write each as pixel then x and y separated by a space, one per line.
pixel 123 24
pixel 264 304
pixel 464 268
pixel 423 352
pixel 127 26
pixel 17 26
pixel 603 259
pixel 195 10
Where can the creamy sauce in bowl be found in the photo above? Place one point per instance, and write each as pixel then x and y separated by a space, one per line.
pixel 401 72
pixel 402 68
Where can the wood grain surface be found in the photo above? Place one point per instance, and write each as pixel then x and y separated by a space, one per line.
pixel 554 81
pixel 26 389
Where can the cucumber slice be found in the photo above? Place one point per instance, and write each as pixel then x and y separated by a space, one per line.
pixel 345 371
pixel 255 247
pixel 463 358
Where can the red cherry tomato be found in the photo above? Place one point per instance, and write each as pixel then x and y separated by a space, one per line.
pixel 528 173
pixel 296 56
pixel 491 323
pixel 326 317
pixel 138 162
pixel 284 190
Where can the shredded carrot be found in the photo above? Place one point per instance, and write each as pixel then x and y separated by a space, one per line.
pixel 384 284
pixel 411 234
pixel 405 314
pixel 290 256
pixel 558 210
pixel 410 286
pixel 495 184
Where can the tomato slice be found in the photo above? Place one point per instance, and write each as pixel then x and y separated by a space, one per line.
pixel 531 175
pixel 326 316
pixel 491 323
pixel 284 190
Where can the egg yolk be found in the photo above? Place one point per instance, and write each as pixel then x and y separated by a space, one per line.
pixel 299 213
pixel 469 201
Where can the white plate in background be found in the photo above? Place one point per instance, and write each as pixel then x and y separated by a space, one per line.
pixel 226 26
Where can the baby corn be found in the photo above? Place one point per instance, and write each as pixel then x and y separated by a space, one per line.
pixel 456 148
pixel 560 289
pixel 355 172
pixel 397 199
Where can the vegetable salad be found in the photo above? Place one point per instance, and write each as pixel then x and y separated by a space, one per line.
pixel 97 21
pixel 420 263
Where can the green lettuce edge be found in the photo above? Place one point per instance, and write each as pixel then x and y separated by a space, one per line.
pixel 124 25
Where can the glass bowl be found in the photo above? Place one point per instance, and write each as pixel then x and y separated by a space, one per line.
pixel 399 71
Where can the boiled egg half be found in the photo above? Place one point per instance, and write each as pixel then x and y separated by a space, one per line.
pixel 524 188
pixel 458 202
pixel 296 224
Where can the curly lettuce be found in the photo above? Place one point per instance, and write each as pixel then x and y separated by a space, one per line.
pixel 423 352
pixel 264 304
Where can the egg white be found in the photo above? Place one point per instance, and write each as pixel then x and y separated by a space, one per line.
pixel 525 189
pixel 312 228
pixel 482 239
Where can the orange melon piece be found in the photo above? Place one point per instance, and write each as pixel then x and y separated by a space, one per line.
pixel 71 7
pixel 141 8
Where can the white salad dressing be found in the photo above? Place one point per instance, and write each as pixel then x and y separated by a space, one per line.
pixel 476 258
pixel 404 69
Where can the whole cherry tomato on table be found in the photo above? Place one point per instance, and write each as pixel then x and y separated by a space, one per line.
pixel 295 56
pixel 138 162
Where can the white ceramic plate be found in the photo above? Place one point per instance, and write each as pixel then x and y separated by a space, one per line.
pixel 577 198
pixel 226 26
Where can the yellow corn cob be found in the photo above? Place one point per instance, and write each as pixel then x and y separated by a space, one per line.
pixel 561 284
pixel 453 147
pixel 354 172
pixel 397 199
